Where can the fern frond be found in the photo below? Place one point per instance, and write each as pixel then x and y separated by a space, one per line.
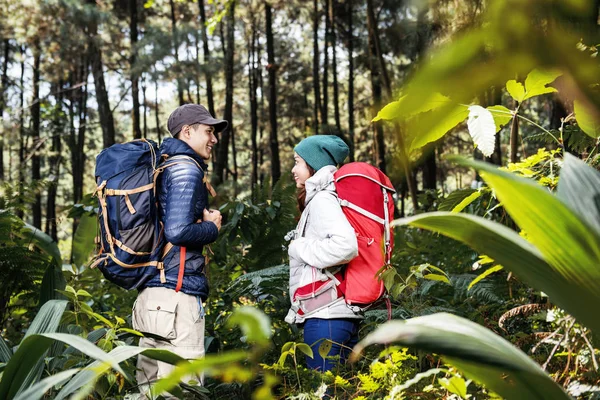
pixel 524 310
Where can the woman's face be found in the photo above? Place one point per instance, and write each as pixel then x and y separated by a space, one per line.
pixel 300 171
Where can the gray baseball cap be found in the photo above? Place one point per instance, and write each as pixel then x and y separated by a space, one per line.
pixel 190 114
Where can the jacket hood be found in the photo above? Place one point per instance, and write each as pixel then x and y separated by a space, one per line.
pixel 321 180
pixel 172 147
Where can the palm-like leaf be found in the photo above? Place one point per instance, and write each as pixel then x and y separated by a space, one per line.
pixel 477 351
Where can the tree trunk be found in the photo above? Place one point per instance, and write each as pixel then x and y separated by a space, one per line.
pixel 76 141
pixel 274 144
pixel 55 160
pixel 176 52
pixel 252 84
pixel 145 108
pixel 157 112
pixel 429 167
pixel 133 36
pixel 261 113
pixel 496 157
pixel 372 21
pixel 104 111
pixel 223 149
pixel 35 128
pixel 325 104
pixel 514 137
pixel 316 64
pixel 336 105
pixel 207 63
pixel 22 167
pixel 429 160
pixel 351 79
pixel 4 85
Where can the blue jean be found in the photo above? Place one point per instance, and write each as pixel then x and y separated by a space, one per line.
pixel 343 333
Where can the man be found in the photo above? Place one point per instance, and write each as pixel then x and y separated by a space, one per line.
pixel 171 304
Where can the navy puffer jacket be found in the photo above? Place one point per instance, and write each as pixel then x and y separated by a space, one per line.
pixel 182 199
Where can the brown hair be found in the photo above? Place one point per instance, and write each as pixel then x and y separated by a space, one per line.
pixel 301 194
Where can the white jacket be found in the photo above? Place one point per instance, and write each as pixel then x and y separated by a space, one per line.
pixel 323 240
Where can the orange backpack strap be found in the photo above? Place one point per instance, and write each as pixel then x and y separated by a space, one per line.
pixel 181 269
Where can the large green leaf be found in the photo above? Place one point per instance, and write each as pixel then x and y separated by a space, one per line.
pixel 588 121
pixel 32 348
pixel 565 240
pixel 38 390
pixel 48 318
pixel 42 241
pixel 396 109
pixel 52 281
pixel 431 126
pixel 505 246
pixel 475 350
pixel 83 241
pixel 563 262
pixel 579 188
pixel 536 81
pixel 119 354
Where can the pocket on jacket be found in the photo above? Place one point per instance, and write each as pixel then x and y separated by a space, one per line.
pixel 156 316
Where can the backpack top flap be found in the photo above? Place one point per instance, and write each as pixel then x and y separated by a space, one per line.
pixel 361 184
pixel 125 157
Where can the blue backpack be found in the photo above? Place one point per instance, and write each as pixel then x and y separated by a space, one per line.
pixel 132 245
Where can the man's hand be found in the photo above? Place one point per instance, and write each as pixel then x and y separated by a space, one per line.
pixel 213 216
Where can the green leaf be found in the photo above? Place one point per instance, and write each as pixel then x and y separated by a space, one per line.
pixel 476 351
pixel 119 354
pixel 5 351
pixel 395 109
pixel 466 201
pixel 579 188
pixel 219 361
pixel 437 277
pixel 516 90
pixel 304 348
pixel 83 241
pixel 32 348
pixel 456 385
pixel 48 318
pixel 484 275
pixel 52 282
pixel 563 263
pixel 588 121
pixel 536 81
pixel 506 247
pixel 287 346
pixel 254 324
pixel 432 126
pixel 38 390
pixel 42 241
pixel 325 348
pixel 454 199
pixel 501 114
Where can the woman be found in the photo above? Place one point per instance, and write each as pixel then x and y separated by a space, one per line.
pixel 323 241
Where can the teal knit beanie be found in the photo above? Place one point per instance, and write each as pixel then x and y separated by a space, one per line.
pixel 321 150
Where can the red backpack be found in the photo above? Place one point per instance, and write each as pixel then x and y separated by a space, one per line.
pixel 365 194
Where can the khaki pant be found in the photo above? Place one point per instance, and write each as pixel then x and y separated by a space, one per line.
pixel 175 316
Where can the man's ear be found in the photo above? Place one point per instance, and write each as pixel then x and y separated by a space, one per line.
pixel 185 132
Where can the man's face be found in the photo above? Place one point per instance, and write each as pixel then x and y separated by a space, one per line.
pixel 200 138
